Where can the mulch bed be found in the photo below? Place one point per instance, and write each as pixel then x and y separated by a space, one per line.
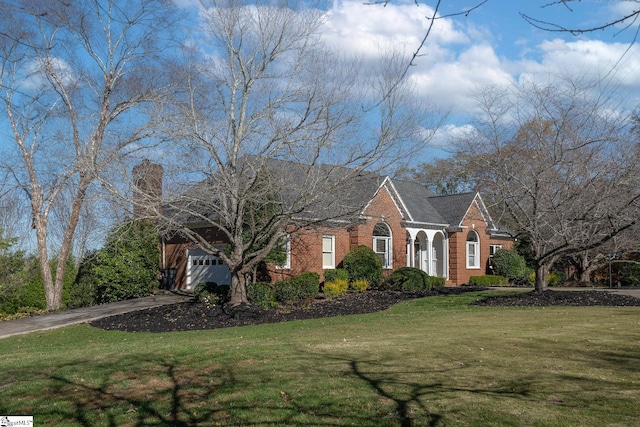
pixel 566 298
pixel 196 316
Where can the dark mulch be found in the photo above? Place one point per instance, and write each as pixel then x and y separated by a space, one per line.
pixel 195 316
pixel 567 298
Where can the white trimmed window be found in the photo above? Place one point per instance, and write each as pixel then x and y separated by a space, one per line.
pixel 286 241
pixel 328 252
pixel 382 244
pixel 493 249
pixel 473 250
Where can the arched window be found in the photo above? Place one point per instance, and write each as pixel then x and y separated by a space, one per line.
pixel 473 250
pixel 382 244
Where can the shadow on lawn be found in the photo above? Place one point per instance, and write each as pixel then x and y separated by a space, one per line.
pixel 162 393
pixel 150 390
pixel 410 396
pixel 152 396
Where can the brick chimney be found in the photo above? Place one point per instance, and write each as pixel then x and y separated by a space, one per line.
pixel 147 189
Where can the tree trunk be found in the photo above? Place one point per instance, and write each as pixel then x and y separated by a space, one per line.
pixel 238 288
pixel 542 271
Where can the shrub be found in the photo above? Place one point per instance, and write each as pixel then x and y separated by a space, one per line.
pixel 309 284
pixel 510 264
pixel 286 292
pixel 362 262
pixel 630 275
pixel 22 312
pixel 30 294
pixel 437 282
pixel 82 292
pixel 408 279
pixel 262 294
pixel 127 267
pixel 553 279
pixel 488 280
pixel 359 285
pixel 335 288
pixel 211 293
pixel 336 274
pixel 306 285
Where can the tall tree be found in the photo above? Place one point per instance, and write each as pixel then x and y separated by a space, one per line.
pixel 76 80
pixel 448 175
pixel 561 162
pixel 276 126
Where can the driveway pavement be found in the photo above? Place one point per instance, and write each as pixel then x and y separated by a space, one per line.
pixel 634 292
pixel 60 319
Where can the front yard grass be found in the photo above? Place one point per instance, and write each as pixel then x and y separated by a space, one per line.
pixel 430 362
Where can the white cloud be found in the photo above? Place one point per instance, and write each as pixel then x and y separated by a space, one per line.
pixel 461 53
pixel 450 83
pixel 362 29
pixel 35 74
pixel 448 133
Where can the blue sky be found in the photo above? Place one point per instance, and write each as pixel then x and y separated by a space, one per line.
pixel 492 45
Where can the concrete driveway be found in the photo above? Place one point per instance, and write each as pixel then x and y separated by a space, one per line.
pixel 60 319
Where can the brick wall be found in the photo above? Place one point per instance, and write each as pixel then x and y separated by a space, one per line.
pixel 458 272
pixel 306 245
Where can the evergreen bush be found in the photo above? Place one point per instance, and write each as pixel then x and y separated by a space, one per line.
pixel 30 294
pixel 408 279
pixel 437 282
pixel 306 285
pixel 488 280
pixel 362 262
pixel 82 292
pixel 510 264
pixel 127 267
pixel 336 274
pixel 262 294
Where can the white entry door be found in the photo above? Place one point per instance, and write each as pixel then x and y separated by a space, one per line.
pixel 203 267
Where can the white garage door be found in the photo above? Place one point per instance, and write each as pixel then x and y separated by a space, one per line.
pixel 203 267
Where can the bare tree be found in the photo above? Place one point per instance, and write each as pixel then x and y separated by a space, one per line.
pixel 76 78
pixel 277 127
pixel 449 175
pixel 628 19
pixel 562 164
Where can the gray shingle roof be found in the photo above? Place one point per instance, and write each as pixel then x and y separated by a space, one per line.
pixel 453 207
pixel 344 201
pixel 416 199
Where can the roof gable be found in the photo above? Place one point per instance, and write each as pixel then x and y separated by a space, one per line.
pixel 387 185
pixel 455 208
pixel 415 198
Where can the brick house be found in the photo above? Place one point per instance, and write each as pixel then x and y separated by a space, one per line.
pixel 451 236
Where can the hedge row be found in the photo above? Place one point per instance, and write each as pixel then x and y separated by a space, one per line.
pixel 489 280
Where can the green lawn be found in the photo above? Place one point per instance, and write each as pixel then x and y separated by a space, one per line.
pixel 430 362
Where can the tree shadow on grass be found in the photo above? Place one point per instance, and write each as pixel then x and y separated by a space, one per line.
pixel 408 389
pixel 152 396
pixel 147 391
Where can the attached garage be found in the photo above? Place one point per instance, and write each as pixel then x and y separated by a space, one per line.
pixel 204 267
